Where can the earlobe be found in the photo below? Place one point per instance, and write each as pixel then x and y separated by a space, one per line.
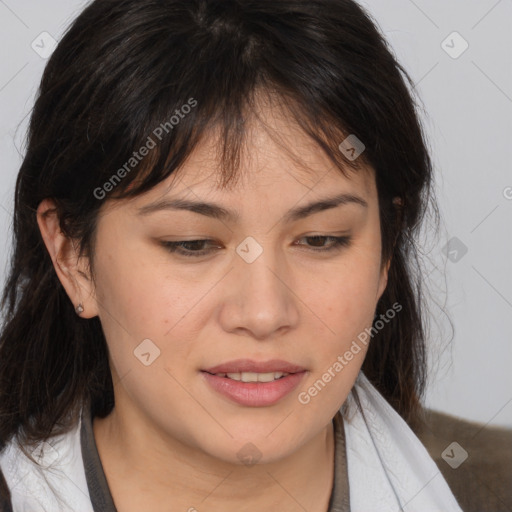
pixel 70 269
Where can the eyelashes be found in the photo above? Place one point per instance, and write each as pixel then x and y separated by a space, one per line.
pixel 187 248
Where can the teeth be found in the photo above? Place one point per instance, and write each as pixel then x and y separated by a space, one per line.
pixel 253 377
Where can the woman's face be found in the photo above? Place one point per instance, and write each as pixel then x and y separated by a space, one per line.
pixel 263 290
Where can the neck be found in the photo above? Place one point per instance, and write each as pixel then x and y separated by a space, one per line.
pixel 143 474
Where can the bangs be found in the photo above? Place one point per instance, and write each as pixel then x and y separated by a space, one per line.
pixel 172 140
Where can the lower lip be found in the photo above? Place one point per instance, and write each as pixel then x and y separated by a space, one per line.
pixel 254 394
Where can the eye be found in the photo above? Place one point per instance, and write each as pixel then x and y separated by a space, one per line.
pixel 187 247
pixel 337 242
pixel 196 248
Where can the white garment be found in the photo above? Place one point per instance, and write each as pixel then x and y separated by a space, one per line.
pixel 62 476
pixel 389 470
pixel 407 479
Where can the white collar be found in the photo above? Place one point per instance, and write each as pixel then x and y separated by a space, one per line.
pixel 389 469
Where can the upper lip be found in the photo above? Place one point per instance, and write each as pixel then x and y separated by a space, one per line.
pixel 249 365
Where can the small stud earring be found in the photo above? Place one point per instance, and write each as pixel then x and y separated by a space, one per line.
pixel 79 309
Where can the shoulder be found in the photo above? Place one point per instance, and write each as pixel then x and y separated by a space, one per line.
pixel 50 477
pixel 471 456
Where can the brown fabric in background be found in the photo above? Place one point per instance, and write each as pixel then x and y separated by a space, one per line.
pixel 483 482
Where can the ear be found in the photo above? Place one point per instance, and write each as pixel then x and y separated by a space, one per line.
pixel 72 271
pixel 383 278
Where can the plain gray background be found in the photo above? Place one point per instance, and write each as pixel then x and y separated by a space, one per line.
pixel 468 102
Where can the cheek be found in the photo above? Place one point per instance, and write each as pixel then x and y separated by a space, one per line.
pixel 135 291
pixel 146 301
pixel 127 288
pixel 345 297
pixel 346 302
pixel 347 293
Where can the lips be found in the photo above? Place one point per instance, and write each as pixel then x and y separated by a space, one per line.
pixel 251 366
pixel 254 383
pixel 241 388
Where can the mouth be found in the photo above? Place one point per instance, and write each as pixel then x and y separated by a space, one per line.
pixel 252 383
pixel 252 376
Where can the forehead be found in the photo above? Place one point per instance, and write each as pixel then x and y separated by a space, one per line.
pixel 276 157
pixel 279 165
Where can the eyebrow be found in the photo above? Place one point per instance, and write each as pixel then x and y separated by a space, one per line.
pixel 218 212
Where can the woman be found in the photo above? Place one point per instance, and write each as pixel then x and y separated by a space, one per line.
pixel 212 303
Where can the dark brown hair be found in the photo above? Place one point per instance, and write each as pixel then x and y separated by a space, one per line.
pixel 124 68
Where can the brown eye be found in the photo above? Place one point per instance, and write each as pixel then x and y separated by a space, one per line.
pixel 188 248
pixel 337 242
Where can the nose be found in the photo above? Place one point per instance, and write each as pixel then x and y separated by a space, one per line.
pixel 260 299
